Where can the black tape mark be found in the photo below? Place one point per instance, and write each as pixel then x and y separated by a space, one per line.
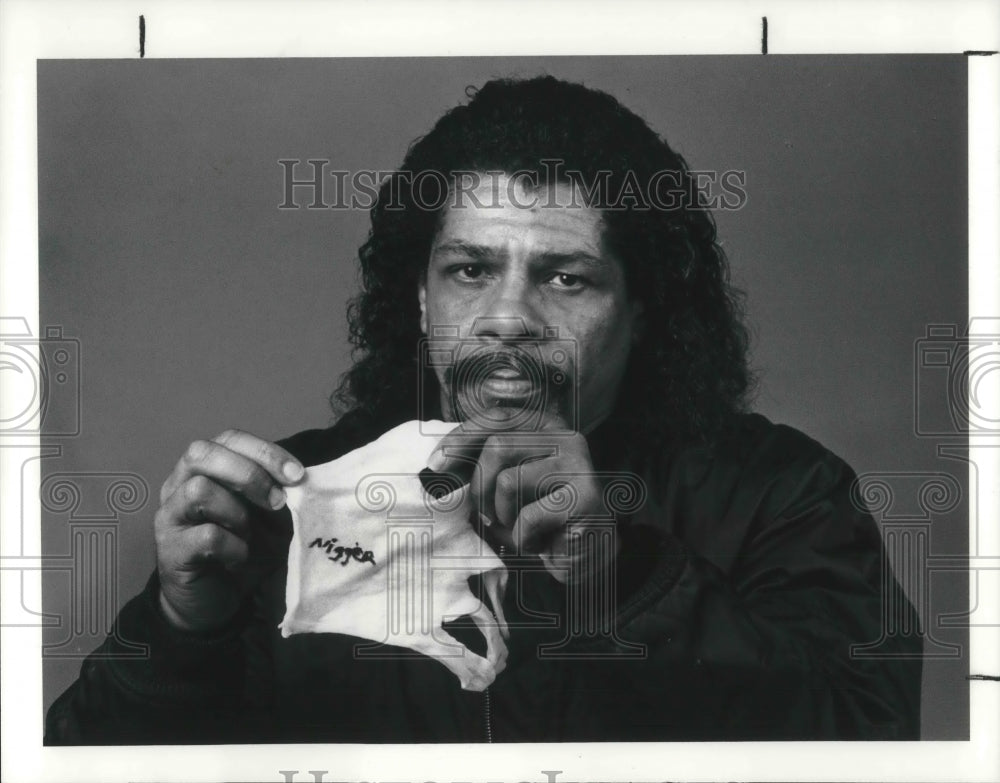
pixel 142 36
pixel 763 35
pixel 978 53
pixel 994 677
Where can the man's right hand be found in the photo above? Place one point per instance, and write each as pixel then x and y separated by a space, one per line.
pixel 203 523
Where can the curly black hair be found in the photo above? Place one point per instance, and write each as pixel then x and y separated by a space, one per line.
pixel 689 372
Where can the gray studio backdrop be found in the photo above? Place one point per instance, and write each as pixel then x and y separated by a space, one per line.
pixel 194 304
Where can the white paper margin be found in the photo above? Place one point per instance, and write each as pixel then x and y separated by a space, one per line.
pixel 31 30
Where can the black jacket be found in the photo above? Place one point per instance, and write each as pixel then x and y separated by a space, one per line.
pixel 743 582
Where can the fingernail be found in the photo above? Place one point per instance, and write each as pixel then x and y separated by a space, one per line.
pixel 484 520
pixel 276 498
pixel 436 460
pixel 293 471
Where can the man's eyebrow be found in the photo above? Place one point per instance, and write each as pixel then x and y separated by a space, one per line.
pixel 473 251
pixel 549 258
pixel 573 257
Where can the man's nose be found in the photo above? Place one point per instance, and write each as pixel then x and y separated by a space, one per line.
pixel 510 314
pixel 501 327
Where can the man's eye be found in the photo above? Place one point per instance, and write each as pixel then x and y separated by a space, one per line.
pixel 468 271
pixel 565 280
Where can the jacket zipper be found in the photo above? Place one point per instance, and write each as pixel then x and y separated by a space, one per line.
pixel 487 701
pixel 488 708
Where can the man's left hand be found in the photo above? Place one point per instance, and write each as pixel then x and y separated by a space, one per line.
pixel 528 487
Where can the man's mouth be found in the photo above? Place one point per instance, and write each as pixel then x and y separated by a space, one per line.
pixel 504 388
pixel 502 379
pixel 507 385
pixel 507 373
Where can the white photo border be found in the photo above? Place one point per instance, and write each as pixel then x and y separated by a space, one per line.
pixel 36 30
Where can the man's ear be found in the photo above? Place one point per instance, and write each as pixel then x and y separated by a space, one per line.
pixel 422 298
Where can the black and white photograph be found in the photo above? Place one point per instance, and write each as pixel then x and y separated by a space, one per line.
pixel 400 406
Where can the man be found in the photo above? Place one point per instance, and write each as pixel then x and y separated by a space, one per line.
pixel 592 335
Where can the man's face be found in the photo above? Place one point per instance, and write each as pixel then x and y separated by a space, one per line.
pixel 530 312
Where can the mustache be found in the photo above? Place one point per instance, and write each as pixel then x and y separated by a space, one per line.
pixel 510 386
pixel 473 367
